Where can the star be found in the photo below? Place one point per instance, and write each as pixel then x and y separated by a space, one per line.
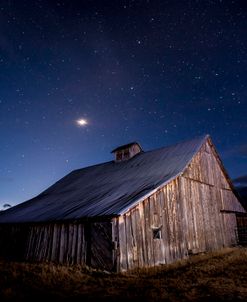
pixel 81 122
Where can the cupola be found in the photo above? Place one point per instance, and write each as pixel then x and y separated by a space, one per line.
pixel 127 151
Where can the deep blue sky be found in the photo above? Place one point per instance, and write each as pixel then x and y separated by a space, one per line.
pixel 152 71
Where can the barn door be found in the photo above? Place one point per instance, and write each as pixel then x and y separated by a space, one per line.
pixel 99 251
pixel 242 228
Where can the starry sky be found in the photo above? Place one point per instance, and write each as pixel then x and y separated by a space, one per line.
pixel 155 72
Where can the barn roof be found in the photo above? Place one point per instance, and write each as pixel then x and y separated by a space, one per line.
pixel 107 189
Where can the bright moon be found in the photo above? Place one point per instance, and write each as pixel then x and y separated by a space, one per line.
pixel 81 122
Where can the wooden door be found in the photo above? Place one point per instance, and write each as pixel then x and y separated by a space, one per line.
pixel 242 228
pixel 99 251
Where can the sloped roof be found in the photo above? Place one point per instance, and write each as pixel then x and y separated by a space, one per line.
pixel 107 189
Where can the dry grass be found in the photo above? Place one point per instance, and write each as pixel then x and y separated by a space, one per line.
pixel 215 276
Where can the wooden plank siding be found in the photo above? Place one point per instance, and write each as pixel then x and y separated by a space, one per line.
pixel 59 242
pixel 216 197
pixel 188 211
pixel 101 245
pixel 162 210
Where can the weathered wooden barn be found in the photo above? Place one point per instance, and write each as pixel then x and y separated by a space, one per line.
pixel 140 210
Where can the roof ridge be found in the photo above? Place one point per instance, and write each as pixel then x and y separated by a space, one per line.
pixel 156 149
pixel 202 137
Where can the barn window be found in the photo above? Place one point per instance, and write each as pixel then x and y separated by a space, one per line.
pixel 126 153
pixel 157 233
pixel 119 155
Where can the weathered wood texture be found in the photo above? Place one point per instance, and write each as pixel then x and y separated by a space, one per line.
pixel 205 175
pixel 188 212
pixel 161 211
pixel 115 245
pixel 101 246
pixel 65 243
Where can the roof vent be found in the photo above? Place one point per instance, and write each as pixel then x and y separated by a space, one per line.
pixel 127 151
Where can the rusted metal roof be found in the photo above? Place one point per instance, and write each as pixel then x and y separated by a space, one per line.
pixel 107 189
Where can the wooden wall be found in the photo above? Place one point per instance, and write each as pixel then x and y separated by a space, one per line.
pixel 68 243
pixel 63 243
pixel 101 246
pixel 205 176
pixel 136 243
pixel 188 212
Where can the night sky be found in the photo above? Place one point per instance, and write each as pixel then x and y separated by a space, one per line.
pixel 155 72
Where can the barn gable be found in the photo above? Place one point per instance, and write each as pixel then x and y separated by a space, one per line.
pixel 190 212
pixel 206 167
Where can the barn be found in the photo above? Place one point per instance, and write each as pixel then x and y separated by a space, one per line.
pixel 139 210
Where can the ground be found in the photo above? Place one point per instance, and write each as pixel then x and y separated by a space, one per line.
pixel 218 276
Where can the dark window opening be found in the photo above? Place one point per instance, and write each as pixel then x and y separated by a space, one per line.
pixel 126 153
pixel 119 156
pixel 157 233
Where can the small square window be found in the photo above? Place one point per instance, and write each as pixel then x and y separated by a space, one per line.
pixel 119 156
pixel 157 233
pixel 126 153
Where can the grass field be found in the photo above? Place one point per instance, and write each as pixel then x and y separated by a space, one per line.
pixel 218 276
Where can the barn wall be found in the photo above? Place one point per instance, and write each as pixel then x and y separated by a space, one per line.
pixel 205 186
pixel 207 228
pixel 188 212
pixel 68 243
pixel 62 243
pixel 205 168
pixel 101 246
pixel 137 246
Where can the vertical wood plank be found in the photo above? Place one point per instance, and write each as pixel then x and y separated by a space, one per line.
pixel 122 244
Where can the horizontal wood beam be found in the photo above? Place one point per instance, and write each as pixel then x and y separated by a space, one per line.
pixel 204 183
pixel 233 212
